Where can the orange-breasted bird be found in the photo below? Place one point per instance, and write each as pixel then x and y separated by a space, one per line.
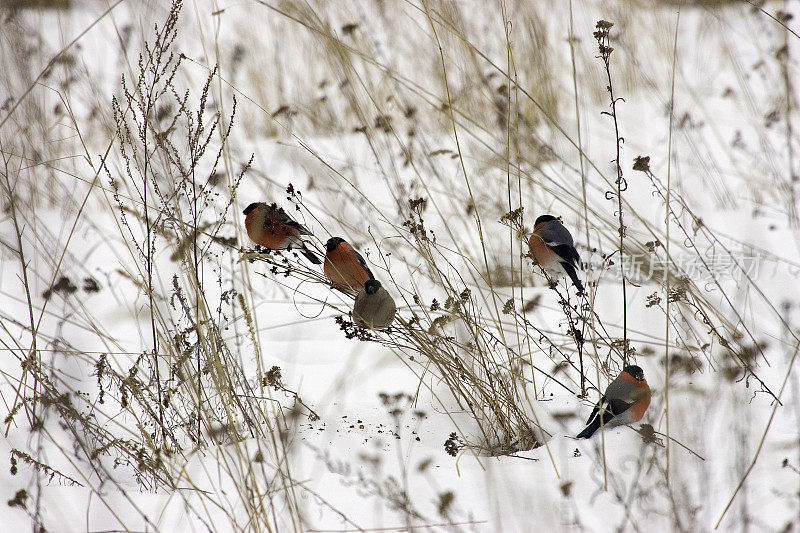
pixel 374 308
pixel 552 247
pixel 344 267
pixel 625 401
pixel 271 227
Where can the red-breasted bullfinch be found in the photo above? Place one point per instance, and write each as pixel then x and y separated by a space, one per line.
pixel 624 402
pixel 271 227
pixel 344 267
pixel 552 247
pixel 374 308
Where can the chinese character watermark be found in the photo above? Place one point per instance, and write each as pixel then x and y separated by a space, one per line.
pixel 652 268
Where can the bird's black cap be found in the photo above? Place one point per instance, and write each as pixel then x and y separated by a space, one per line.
pixel 544 218
pixel 332 243
pixel 371 286
pixel 250 207
pixel 635 371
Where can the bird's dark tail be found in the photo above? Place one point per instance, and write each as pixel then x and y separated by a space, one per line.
pixel 590 429
pixel 570 270
pixel 311 256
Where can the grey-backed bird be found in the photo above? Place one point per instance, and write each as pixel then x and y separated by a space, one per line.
pixel 374 308
pixel 552 247
pixel 625 401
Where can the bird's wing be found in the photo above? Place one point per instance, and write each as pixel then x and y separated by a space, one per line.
pixel 617 407
pixel 364 264
pixel 619 389
pixel 559 239
pixel 611 409
pixel 568 253
pixel 284 217
pixel 555 234
pixel 311 256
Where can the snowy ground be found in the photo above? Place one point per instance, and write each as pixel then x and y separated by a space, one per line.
pixel 375 459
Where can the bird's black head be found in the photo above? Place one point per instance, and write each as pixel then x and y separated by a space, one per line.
pixel 250 208
pixel 544 218
pixel 635 371
pixel 332 243
pixel 371 286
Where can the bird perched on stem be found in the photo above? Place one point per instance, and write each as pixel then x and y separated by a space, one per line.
pixel 344 267
pixel 552 247
pixel 625 401
pixel 271 227
pixel 374 308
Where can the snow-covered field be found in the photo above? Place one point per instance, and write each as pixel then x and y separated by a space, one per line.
pixel 162 374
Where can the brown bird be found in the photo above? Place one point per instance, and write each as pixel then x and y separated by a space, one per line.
pixel 344 267
pixel 374 308
pixel 552 246
pixel 271 227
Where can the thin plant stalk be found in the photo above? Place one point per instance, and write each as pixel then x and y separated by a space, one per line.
pixel 602 36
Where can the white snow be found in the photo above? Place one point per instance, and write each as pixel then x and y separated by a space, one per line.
pixel 367 452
